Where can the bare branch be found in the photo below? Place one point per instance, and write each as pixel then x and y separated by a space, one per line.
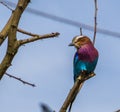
pixel 5 30
pixel 13 48
pixel 38 37
pixel 26 32
pixel 19 79
pixel 95 21
pixel 75 88
pixel 11 33
pixel 80 31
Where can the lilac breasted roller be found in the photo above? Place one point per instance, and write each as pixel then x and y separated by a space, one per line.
pixel 85 58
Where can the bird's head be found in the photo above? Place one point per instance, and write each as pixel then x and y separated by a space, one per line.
pixel 78 41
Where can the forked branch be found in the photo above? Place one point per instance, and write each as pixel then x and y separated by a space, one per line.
pixel 10 31
pixel 75 88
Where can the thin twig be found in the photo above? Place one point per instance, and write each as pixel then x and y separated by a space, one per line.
pixel 38 37
pixel 75 88
pixel 19 79
pixel 95 21
pixel 26 32
pixel 5 4
pixel 80 31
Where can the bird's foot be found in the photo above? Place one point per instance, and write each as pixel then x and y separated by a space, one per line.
pixel 84 72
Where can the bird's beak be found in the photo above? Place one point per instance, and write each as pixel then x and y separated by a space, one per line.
pixel 71 44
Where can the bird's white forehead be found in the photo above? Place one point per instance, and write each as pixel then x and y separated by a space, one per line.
pixel 77 37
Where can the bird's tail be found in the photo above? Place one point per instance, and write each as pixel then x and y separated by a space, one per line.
pixel 74 96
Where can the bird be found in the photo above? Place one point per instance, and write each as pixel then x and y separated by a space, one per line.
pixel 85 58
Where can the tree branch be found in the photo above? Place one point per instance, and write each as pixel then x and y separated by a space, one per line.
pixel 82 78
pixel 95 21
pixel 14 18
pixel 11 32
pixel 11 52
pixel 5 30
pixel 81 31
pixel 19 79
pixel 26 32
pixel 38 37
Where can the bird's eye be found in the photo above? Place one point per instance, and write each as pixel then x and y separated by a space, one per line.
pixel 75 42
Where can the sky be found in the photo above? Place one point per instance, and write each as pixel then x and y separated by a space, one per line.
pixel 49 63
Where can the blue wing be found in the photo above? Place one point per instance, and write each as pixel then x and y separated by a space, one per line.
pixel 80 66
